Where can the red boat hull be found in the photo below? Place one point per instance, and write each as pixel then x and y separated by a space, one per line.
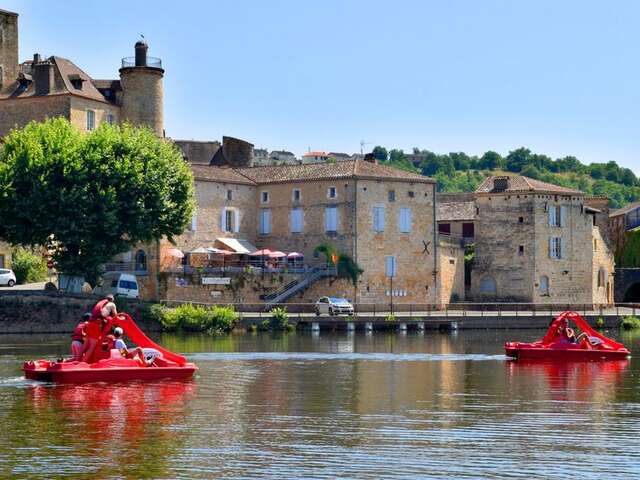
pixel 557 345
pixel 522 352
pixel 122 370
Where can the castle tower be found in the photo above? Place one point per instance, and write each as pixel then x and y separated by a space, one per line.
pixel 8 48
pixel 142 95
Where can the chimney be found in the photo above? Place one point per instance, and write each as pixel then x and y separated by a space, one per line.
pixel 42 72
pixel 141 53
pixel 370 157
pixel 500 184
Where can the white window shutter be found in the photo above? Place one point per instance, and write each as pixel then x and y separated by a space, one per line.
pixel 223 220
pixel 562 245
pixel 563 216
pixel 194 222
pixel 236 221
pixel 551 249
pixel 552 216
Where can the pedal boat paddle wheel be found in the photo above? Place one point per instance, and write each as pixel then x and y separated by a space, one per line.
pixel 591 345
pixel 109 366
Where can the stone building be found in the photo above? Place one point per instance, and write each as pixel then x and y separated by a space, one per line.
pixel 260 156
pixel 282 157
pixel 538 243
pixel 456 216
pixel 198 152
pixel 621 221
pixel 42 88
pixel 380 216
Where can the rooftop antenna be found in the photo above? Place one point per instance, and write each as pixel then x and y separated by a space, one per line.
pixel 362 144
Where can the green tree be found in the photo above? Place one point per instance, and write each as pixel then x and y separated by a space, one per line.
pixel 491 161
pixel 88 197
pixel 517 159
pixel 380 153
pixel 345 265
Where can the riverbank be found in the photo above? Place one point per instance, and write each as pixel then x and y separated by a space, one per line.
pixel 53 313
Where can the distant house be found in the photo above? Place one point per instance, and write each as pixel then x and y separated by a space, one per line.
pixel 279 157
pixel 260 156
pixel 315 157
pixel 621 221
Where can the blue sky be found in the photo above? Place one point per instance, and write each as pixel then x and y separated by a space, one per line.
pixel 558 77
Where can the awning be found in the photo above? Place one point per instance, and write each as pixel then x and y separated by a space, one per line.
pixel 277 254
pixel 200 250
pixel 174 252
pixel 238 245
pixel 261 253
pixel 295 255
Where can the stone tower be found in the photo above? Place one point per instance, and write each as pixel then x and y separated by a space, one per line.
pixel 141 80
pixel 8 48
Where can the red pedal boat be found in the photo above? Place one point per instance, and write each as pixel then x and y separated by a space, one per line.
pixel 113 367
pixel 557 345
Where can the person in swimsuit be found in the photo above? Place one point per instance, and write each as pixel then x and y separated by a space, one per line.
pixel 77 338
pixel 122 347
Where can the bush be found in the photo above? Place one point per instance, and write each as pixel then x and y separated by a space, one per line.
pixel 630 323
pixel 390 318
pixel 194 318
pixel 280 320
pixel 28 266
pixel 600 322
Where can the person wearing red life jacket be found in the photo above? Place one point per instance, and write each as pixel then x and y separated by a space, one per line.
pixel 77 338
pixel 101 317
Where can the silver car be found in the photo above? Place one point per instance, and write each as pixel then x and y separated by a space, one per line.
pixel 333 306
pixel 7 277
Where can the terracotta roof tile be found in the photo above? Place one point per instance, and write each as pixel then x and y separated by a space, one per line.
pixel 520 183
pixel 455 211
pixel 329 171
pixel 219 174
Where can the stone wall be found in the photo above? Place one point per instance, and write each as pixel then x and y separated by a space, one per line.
pixel 8 48
pixel 53 314
pixel 602 259
pixel 16 113
pixel 313 201
pixel 414 251
pixel 142 97
pixel 79 107
pixel 450 272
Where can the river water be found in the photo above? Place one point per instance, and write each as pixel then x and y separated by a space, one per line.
pixel 337 405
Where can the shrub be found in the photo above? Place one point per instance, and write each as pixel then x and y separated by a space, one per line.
pixel 194 318
pixel 28 266
pixel 280 320
pixel 390 318
pixel 600 322
pixel 630 323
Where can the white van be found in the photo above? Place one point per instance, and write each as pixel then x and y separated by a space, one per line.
pixel 118 284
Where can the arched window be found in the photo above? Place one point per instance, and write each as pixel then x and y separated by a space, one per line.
pixel 141 260
pixel 488 285
pixel 544 286
pixel 602 277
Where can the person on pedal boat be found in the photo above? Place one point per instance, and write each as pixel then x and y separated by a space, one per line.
pixel 122 347
pixel 78 338
pixel 101 316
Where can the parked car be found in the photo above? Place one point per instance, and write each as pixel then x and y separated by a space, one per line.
pixel 333 306
pixel 118 284
pixel 7 277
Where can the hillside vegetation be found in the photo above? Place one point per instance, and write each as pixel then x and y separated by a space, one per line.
pixel 459 172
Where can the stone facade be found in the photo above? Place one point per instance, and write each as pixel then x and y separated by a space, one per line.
pixel 5 255
pixel 523 255
pixel 450 271
pixel 8 48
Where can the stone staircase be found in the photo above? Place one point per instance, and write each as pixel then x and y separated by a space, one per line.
pixel 299 284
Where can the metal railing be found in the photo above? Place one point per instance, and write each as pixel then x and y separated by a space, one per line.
pixel 152 62
pixel 132 267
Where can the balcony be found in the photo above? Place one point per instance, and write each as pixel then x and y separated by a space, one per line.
pixel 135 268
pixel 152 62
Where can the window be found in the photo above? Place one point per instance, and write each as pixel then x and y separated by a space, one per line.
pixel 332 192
pixel 265 221
pixel 378 219
pixel 556 248
pixel 444 228
pixel 390 266
pixel 331 219
pixel 404 220
pixel 557 216
pixel 194 222
pixel 230 194
pixel 521 250
pixel 468 230
pixel 411 194
pixel 296 220
pixel 391 195
pixel 544 286
pixel 91 120
pixel 264 197
pixel 488 286
pixel 110 119
pixel 520 219
pixel 602 277
pixel 230 220
pixel 141 261
pixel 297 195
